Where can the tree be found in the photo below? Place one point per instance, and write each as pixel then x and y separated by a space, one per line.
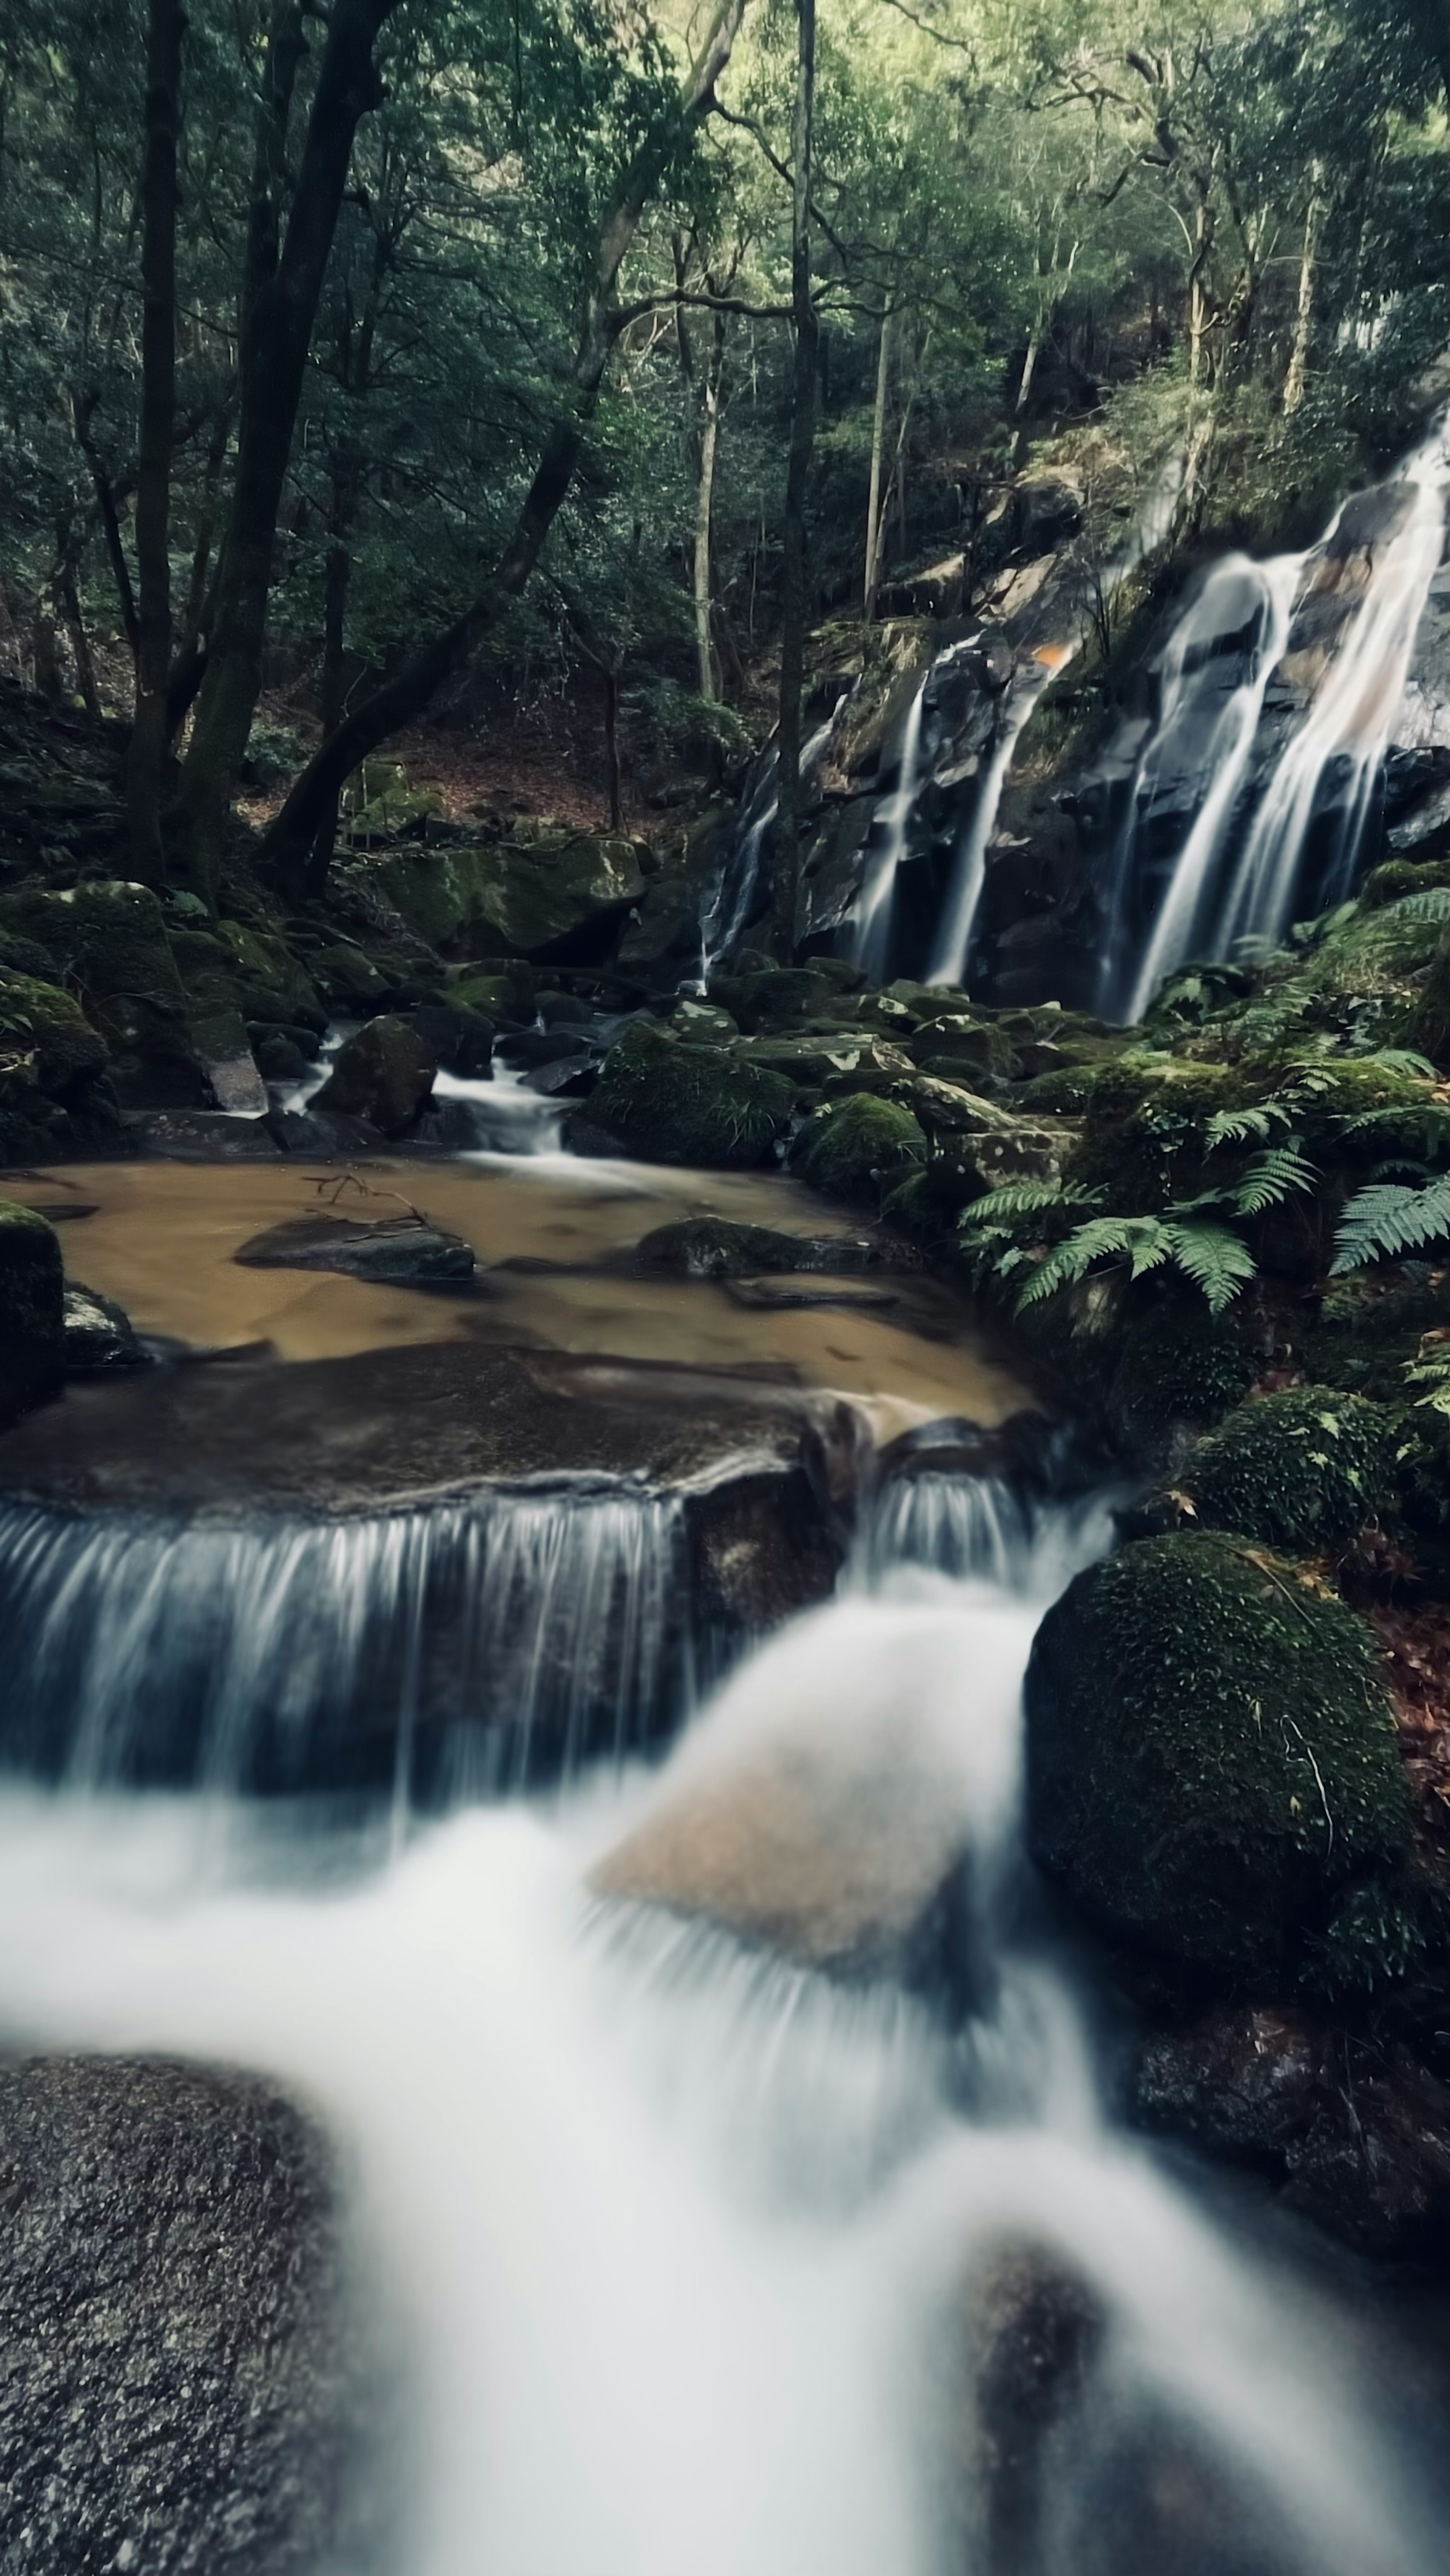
pixel 794 542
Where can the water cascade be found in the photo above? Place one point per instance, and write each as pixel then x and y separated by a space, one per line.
pixel 731 901
pixel 1277 825
pixel 952 955
pixel 704 2259
pixel 871 932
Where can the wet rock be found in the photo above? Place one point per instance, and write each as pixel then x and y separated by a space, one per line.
pixel 384 1074
pixel 348 979
pixel 99 1336
pixel 107 940
pixel 461 1039
pixel 545 892
pixel 704 1021
pixel 858 1147
pixel 201 1136
pixel 323 1136
pixel 278 1057
pixel 821 1813
pixel 402 1251
pixel 32 1310
pixel 772 997
pixel 957 1046
pixel 714 1247
pixel 684 1103
pixel 1241 2080
pixel 223 1051
pixel 1034 2328
pixel 179 2390
pixel 1211 1754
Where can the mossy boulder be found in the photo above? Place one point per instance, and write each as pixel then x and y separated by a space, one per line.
pixel 507 995
pixel 32 1310
pixel 1301 1469
pixel 384 1074
pixel 106 938
pixel 773 997
pixel 347 977
pixel 271 983
pixel 1179 1366
pixel 860 1147
pixel 959 1047
pixel 675 1102
pixel 546 892
pixel 1211 1757
pixel 47 1032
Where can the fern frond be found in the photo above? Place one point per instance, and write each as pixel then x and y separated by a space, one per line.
pixel 1101 1237
pixel 1391 1218
pixel 1236 1126
pixel 1431 1370
pixel 1431 903
pixel 1023 1198
pixel 1271 1178
pixel 1214 1258
pixel 1399 1060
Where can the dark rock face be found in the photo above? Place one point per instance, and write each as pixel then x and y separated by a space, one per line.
pixel 32 1310
pixel 462 1040
pixel 713 1247
pixel 175 2396
pixel 401 1251
pixel 1356 2134
pixel 384 1074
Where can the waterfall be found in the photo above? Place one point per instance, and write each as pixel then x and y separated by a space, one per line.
pixel 731 899
pixel 701 2256
pixel 1239 873
pixel 952 955
pixel 451 1650
pixel 871 935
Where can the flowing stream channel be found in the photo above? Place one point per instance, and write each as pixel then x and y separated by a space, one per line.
pixel 699 2115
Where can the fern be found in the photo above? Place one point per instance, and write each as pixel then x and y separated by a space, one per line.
pixel 1236 1126
pixel 1022 1198
pixel 1431 1370
pixel 1431 903
pixel 1271 1178
pixel 1212 1256
pixel 1391 1218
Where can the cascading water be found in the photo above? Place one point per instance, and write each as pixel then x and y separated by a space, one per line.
pixel 1264 839
pixel 952 955
pixel 700 2255
pixel 871 931
pixel 731 900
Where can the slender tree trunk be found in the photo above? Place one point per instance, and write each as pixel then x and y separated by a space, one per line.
pixel 68 602
pixel 83 412
pixel 1297 376
pixel 336 581
pixel 795 561
pixel 611 750
pixel 875 516
pixel 704 502
pixel 150 730
pixel 1198 310
pixel 403 697
pixel 279 312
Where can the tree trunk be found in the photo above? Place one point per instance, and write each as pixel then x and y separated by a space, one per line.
pixel 150 729
pixel 402 698
pixel 875 516
pixel 1298 371
pixel 83 412
pixel 336 581
pixel 611 750
pixel 67 600
pixel 794 558
pixel 279 313
pixel 704 499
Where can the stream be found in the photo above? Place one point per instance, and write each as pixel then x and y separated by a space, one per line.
pixel 727 2127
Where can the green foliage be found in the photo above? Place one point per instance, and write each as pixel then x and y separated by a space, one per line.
pixel 1391 1218
pixel 1301 1469
pixel 857 1147
pixel 1430 1370
pixel 1211 1756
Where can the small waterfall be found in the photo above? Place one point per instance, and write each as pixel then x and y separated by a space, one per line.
pixel 728 907
pixel 871 934
pixel 1211 702
pixel 450 1651
pixel 498 1113
pixel 952 955
pixel 1267 837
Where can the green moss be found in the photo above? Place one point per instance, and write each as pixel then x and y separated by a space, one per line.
pixel 508 995
pixel 1396 877
pixel 678 1103
pixel 857 1147
pixel 1145 1118
pixel 1211 1755
pixel 1301 1468
pixel 267 973
pixel 1178 1364
pixel 47 1032
pixel 105 936
pixel 1369 1326
pixel 773 997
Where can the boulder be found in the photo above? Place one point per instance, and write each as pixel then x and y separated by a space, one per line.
pixel 99 1336
pixel 401 1251
pixel 180 2388
pixel 858 1147
pixel 51 1060
pixel 675 1102
pixel 107 940
pixel 384 1074
pixel 278 1057
pixel 715 1247
pixel 545 893
pixel 32 1310
pixel 224 1053
pixel 1303 1468
pixel 1211 1756
pixel 461 1039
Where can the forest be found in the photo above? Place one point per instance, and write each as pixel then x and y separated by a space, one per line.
pixel 724 1364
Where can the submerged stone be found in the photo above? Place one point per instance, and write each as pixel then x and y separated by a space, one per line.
pixel 403 1251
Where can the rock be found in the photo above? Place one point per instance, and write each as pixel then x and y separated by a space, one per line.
pixel 957 1045
pixel 1240 2079
pixel 405 1251
pixel 704 1021
pixel 714 1247
pixel 858 1147
pixel 1302 1469
pixel 461 1039
pixel 545 893
pixel 772 997
pixel 223 1051
pixel 107 939
pixel 346 978
pixel 41 1023
pixel 180 2388
pixel 99 1338
pixel 271 983
pixel 278 1057
pixel 1034 2328
pixel 201 1136
pixel 32 1310
pixel 821 1811
pixel 993 1144
pixel 685 1103
pixel 322 1135
pixel 384 1074
pixel 1210 1753
pixel 505 998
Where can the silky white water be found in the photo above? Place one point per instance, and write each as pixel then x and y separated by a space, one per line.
pixel 871 930
pixel 681 2237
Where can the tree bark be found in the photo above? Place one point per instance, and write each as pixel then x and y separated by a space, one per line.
pixel 1297 375
pixel 875 516
pixel 279 311
pixel 704 503
pixel 794 554
pixel 83 412
pixel 150 729
pixel 67 600
pixel 611 750
pixel 403 697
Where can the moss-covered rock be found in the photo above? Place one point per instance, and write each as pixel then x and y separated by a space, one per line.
pixel 384 1074
pixel 271 983
pixel 106 938
pixel 32 1310
pixel 677 1102
pixel 1301 1468
pixel 48 1030
pixel 858 1148
pixel 505 995
pixel 773 997
pixel 1211 1757
pixel 960 1047
pixel 1179 1367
